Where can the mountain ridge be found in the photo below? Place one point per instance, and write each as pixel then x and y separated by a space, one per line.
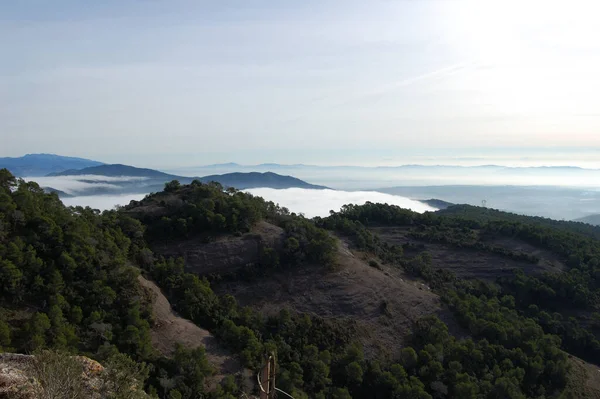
pixel 487 166
pixel 150 180
pixel 37 165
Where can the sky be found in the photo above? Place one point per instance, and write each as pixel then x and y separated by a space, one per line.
pixel 183 83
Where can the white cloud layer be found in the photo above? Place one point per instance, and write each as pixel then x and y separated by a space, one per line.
pixel 313 203
pixel 102 202
pixel 77 184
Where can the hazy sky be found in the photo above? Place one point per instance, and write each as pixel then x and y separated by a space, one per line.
pixel 167 83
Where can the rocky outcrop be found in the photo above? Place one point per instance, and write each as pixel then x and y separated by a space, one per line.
pixel 14 380
pixel 54 375
pixel 226 254
pixel 20 380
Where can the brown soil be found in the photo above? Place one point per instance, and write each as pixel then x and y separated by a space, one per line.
pixel 584 380
pixel 354 290
pixel 549 262
pixel 170 329
pixel 471 263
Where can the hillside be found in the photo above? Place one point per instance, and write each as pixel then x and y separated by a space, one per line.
pixel 365 303
pixel 381 304
pixel 33 165
pixel 591 219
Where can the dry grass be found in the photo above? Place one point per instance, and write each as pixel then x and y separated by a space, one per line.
pixel 584 380
pixel 60 376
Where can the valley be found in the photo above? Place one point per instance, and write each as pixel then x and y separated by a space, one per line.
pixel 371 301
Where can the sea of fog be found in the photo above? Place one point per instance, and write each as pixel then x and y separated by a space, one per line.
pixel 552 202
pixel 538 198
pixel 374 178
pixel 102 202
pixel 299 200
pixel 76 185
pixel 313 203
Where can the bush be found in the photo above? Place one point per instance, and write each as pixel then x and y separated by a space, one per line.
pixel 375 264
pixel 59 376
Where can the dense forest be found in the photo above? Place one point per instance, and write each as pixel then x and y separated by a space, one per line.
pixel 68 283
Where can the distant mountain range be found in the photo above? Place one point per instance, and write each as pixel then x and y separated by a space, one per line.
pixel 234 165
pixel 591 219
pixel 35 165
pixel 117 170
pixel 124 179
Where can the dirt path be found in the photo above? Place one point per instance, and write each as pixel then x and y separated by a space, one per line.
pixel 170 329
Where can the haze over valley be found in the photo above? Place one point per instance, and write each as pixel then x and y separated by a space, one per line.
pixel 559 192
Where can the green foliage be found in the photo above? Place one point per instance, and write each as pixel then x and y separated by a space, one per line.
pixel 123 378
pixel 59 376
pixel 73 267
pixel 200 209
pixel 307 242
pixel 193 367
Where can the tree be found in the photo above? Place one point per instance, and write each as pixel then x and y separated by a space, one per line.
pixel 340 393
pixel 4 335
pixel 193 366
pixel 123 378
pixel 10 278
pixel 354 374
pixel 409 358
pixel 36 330
pixel 172 186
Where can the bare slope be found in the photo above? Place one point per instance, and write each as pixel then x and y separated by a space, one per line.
pixel 224 254
pixel 354 290
pixel 584 380
pixel 472 263
pixel 170 329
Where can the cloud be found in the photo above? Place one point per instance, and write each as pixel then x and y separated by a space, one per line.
pixel 102 202
pixel 76 184
pixel 313 203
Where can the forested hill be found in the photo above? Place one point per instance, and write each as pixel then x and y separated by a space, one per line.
pixel 115 170
pixel 485 215
pixel 69 284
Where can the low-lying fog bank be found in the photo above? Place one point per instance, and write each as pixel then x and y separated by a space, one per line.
pixel 313 203
pixel 102 202
pixel 306 201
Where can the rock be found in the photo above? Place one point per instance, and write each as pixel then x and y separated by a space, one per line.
pixel 18 377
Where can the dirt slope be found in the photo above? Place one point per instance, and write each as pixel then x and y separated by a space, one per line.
pixel 225 253
pixel 584 380
pixel 354 290
pixel 471 263
pixel 170 329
